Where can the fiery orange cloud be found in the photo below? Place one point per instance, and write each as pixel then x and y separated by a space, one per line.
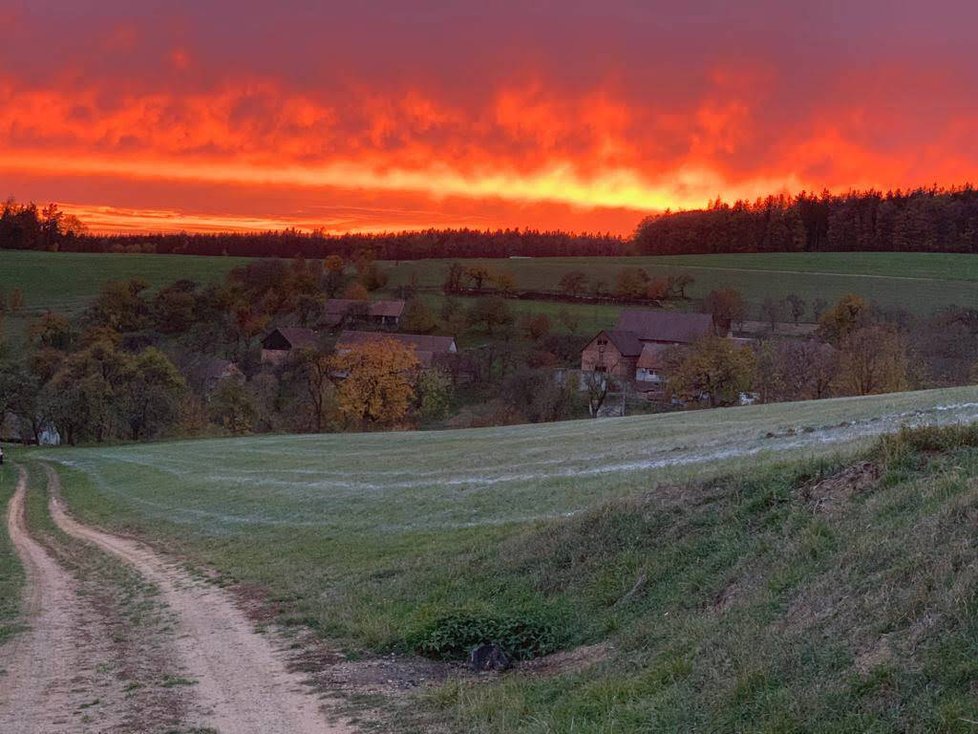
pixel 529 147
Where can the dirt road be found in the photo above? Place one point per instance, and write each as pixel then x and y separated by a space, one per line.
pixel 240 682
pixel 53 679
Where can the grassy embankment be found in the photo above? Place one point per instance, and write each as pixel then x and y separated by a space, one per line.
pixel 731 601
pixel 11 573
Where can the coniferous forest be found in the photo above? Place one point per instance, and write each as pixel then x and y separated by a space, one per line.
pixel 919 220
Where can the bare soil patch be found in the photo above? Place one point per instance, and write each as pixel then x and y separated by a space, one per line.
pixel 833 493
pixel 567 661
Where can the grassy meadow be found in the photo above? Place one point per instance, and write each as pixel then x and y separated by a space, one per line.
pixel 920 282
pixel 67 281
pixel 631 533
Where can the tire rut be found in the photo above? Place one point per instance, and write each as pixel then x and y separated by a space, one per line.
pixel 241 680
pixel 56 675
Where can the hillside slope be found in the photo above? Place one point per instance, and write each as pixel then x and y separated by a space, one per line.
pixel 750 569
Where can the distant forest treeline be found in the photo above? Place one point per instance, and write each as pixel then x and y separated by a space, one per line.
pixel 921 220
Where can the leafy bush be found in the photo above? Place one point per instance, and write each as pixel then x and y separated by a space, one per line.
pixel 452 636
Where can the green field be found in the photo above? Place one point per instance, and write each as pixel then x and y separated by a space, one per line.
pixel 371 539
pixel 919 282
pixel 67 281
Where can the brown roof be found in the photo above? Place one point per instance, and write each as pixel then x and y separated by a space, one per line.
pixel 426 346
pixel 653 356
pixel 625 342
pixel 296 337
pixel 666 326
pixel 386 309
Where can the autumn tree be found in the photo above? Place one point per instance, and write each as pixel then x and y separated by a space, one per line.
pixel 713 367
pixel 770 311
pixel 232 407
pixel 795 305
pixel 453 279
pixel 631 282
pixel 505 282
pixel 849 313
pixel 315 373
pixel 434 395
pixel 727 307
pixel 477 275
pixel 51 331
pixel 872 359
pixel 375 382
pixel 678 284
pixel 795 369
pixel 568 319
pixel 417 318
pixel 573 283
pixel 491 313
pixel 149 396
pixel 333 277
pixel 534 326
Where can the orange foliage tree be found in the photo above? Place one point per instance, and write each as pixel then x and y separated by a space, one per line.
pixel 376 382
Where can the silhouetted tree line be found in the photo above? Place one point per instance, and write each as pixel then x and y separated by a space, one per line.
pixel 921 220
pixel 25 227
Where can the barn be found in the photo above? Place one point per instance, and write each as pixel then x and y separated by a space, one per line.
pixel 281 342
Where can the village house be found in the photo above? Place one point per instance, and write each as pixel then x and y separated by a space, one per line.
pixel 281 342
pixel 430 350
pixel 344 311
pixel 635 350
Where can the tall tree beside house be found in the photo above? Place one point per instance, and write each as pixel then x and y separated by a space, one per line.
pixel 232 407
pixel 435 395
pixel 417 317
pixel 377 384
pixel 713 367
pixel 727 307
pixel 333 275
pixel 315 374
pixel 150 396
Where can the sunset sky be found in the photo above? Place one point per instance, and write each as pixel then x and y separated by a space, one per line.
pixel 396 114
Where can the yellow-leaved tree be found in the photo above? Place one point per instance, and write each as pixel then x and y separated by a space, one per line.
pixel 377 382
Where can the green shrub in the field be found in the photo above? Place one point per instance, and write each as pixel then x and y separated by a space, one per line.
pixel 522 635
